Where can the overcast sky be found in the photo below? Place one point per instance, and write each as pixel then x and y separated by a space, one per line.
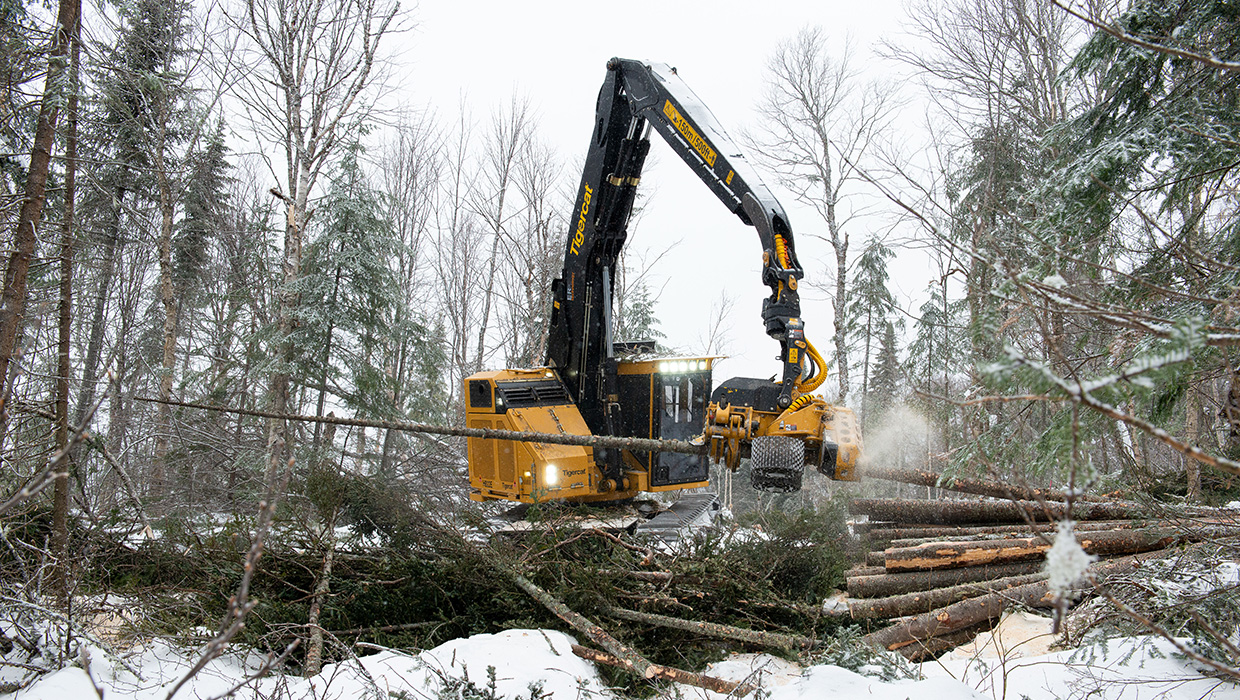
pixel 555 54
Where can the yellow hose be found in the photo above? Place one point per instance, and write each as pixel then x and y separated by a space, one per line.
pixel 801 402
pixel 811 385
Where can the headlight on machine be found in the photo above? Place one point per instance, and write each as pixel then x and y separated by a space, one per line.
pixel 551 476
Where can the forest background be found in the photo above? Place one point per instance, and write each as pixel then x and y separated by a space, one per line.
pixel 225 204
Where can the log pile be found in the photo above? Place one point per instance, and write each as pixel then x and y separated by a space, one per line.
pixel 941 571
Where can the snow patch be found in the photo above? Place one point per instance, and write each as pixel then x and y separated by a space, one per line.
pixel 1018 635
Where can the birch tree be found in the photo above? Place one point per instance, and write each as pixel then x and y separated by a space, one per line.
pixel 312 63
pixel 819 122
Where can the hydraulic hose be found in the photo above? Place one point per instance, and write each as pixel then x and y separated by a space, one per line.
pixel 816 381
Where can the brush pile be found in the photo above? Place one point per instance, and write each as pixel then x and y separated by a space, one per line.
pixel 940 571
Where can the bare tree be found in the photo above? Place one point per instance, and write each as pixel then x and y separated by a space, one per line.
pixel 819 122
pixel 307 91
pixel 409 173
pixel 494 199
pixel 458 256
pixel 717 339
pixel 533 246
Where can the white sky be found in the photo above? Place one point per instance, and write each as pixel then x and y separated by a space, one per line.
pixel 555 54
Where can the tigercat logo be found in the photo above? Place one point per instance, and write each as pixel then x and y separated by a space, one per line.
pixel 691 135
pixel 580 236
pixel 574 472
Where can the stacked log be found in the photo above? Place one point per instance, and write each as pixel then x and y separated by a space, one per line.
pixel 942 571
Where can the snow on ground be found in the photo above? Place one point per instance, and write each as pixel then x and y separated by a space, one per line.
pixel 784 680
pixel 1122 669
pixel 1010 664
pixel 522 659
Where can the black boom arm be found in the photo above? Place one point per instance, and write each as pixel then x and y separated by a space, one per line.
pixel 635 98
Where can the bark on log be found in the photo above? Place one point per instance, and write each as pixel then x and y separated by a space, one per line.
pixel 894 584
pixel 924 601
pixel 943 621
pixel 892 535
pixel 714 629
pixel 865 571
pixel 626 658
pixel 652 576
pixel 1039 530
pixel 994 512
pixel 876 559
pixel 953 555
pixel 957 616
pixel 698 680
pixel 927 649
pixel 978 487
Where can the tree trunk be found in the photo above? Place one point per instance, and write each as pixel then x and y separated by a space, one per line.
pixel 399 376
pixel 94 345
pixel 314 650
pixel 966 512
pixel 628 659
pixel 924 601
pixel 909 582
pixel 865 571
pixel 325 361
pixel 1193 436
pixel 927 649
pixel 167 298
pixel 1231 413
pixel 487 296
pixel 698 680
pixel 714 629
pixel 954 555
pixel 279 451
pixel 942 621
pixel 957 616
pixel 913 536
pixel 13 298
pixel 60 492
pixel 623 443
pixel 322 586
pixel 978 487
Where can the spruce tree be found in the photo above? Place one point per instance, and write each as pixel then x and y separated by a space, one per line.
pixel 872 304
pixel 206 209
pixel 884 380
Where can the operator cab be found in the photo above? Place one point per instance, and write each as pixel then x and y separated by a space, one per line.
pixel 665 397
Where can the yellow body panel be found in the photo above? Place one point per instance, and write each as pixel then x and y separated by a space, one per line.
pixel 813 422
pixel 532 472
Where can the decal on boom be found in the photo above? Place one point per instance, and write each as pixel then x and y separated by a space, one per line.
pixel 691 135
pixel 580 236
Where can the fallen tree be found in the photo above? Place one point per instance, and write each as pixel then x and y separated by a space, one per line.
pixel 994 512
pixel 909 582
pixel 924 601
pixel 910 536
pixel 952 555
pixel 966 613
pixel 714 629
pixel 718 685
pixel 977 487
